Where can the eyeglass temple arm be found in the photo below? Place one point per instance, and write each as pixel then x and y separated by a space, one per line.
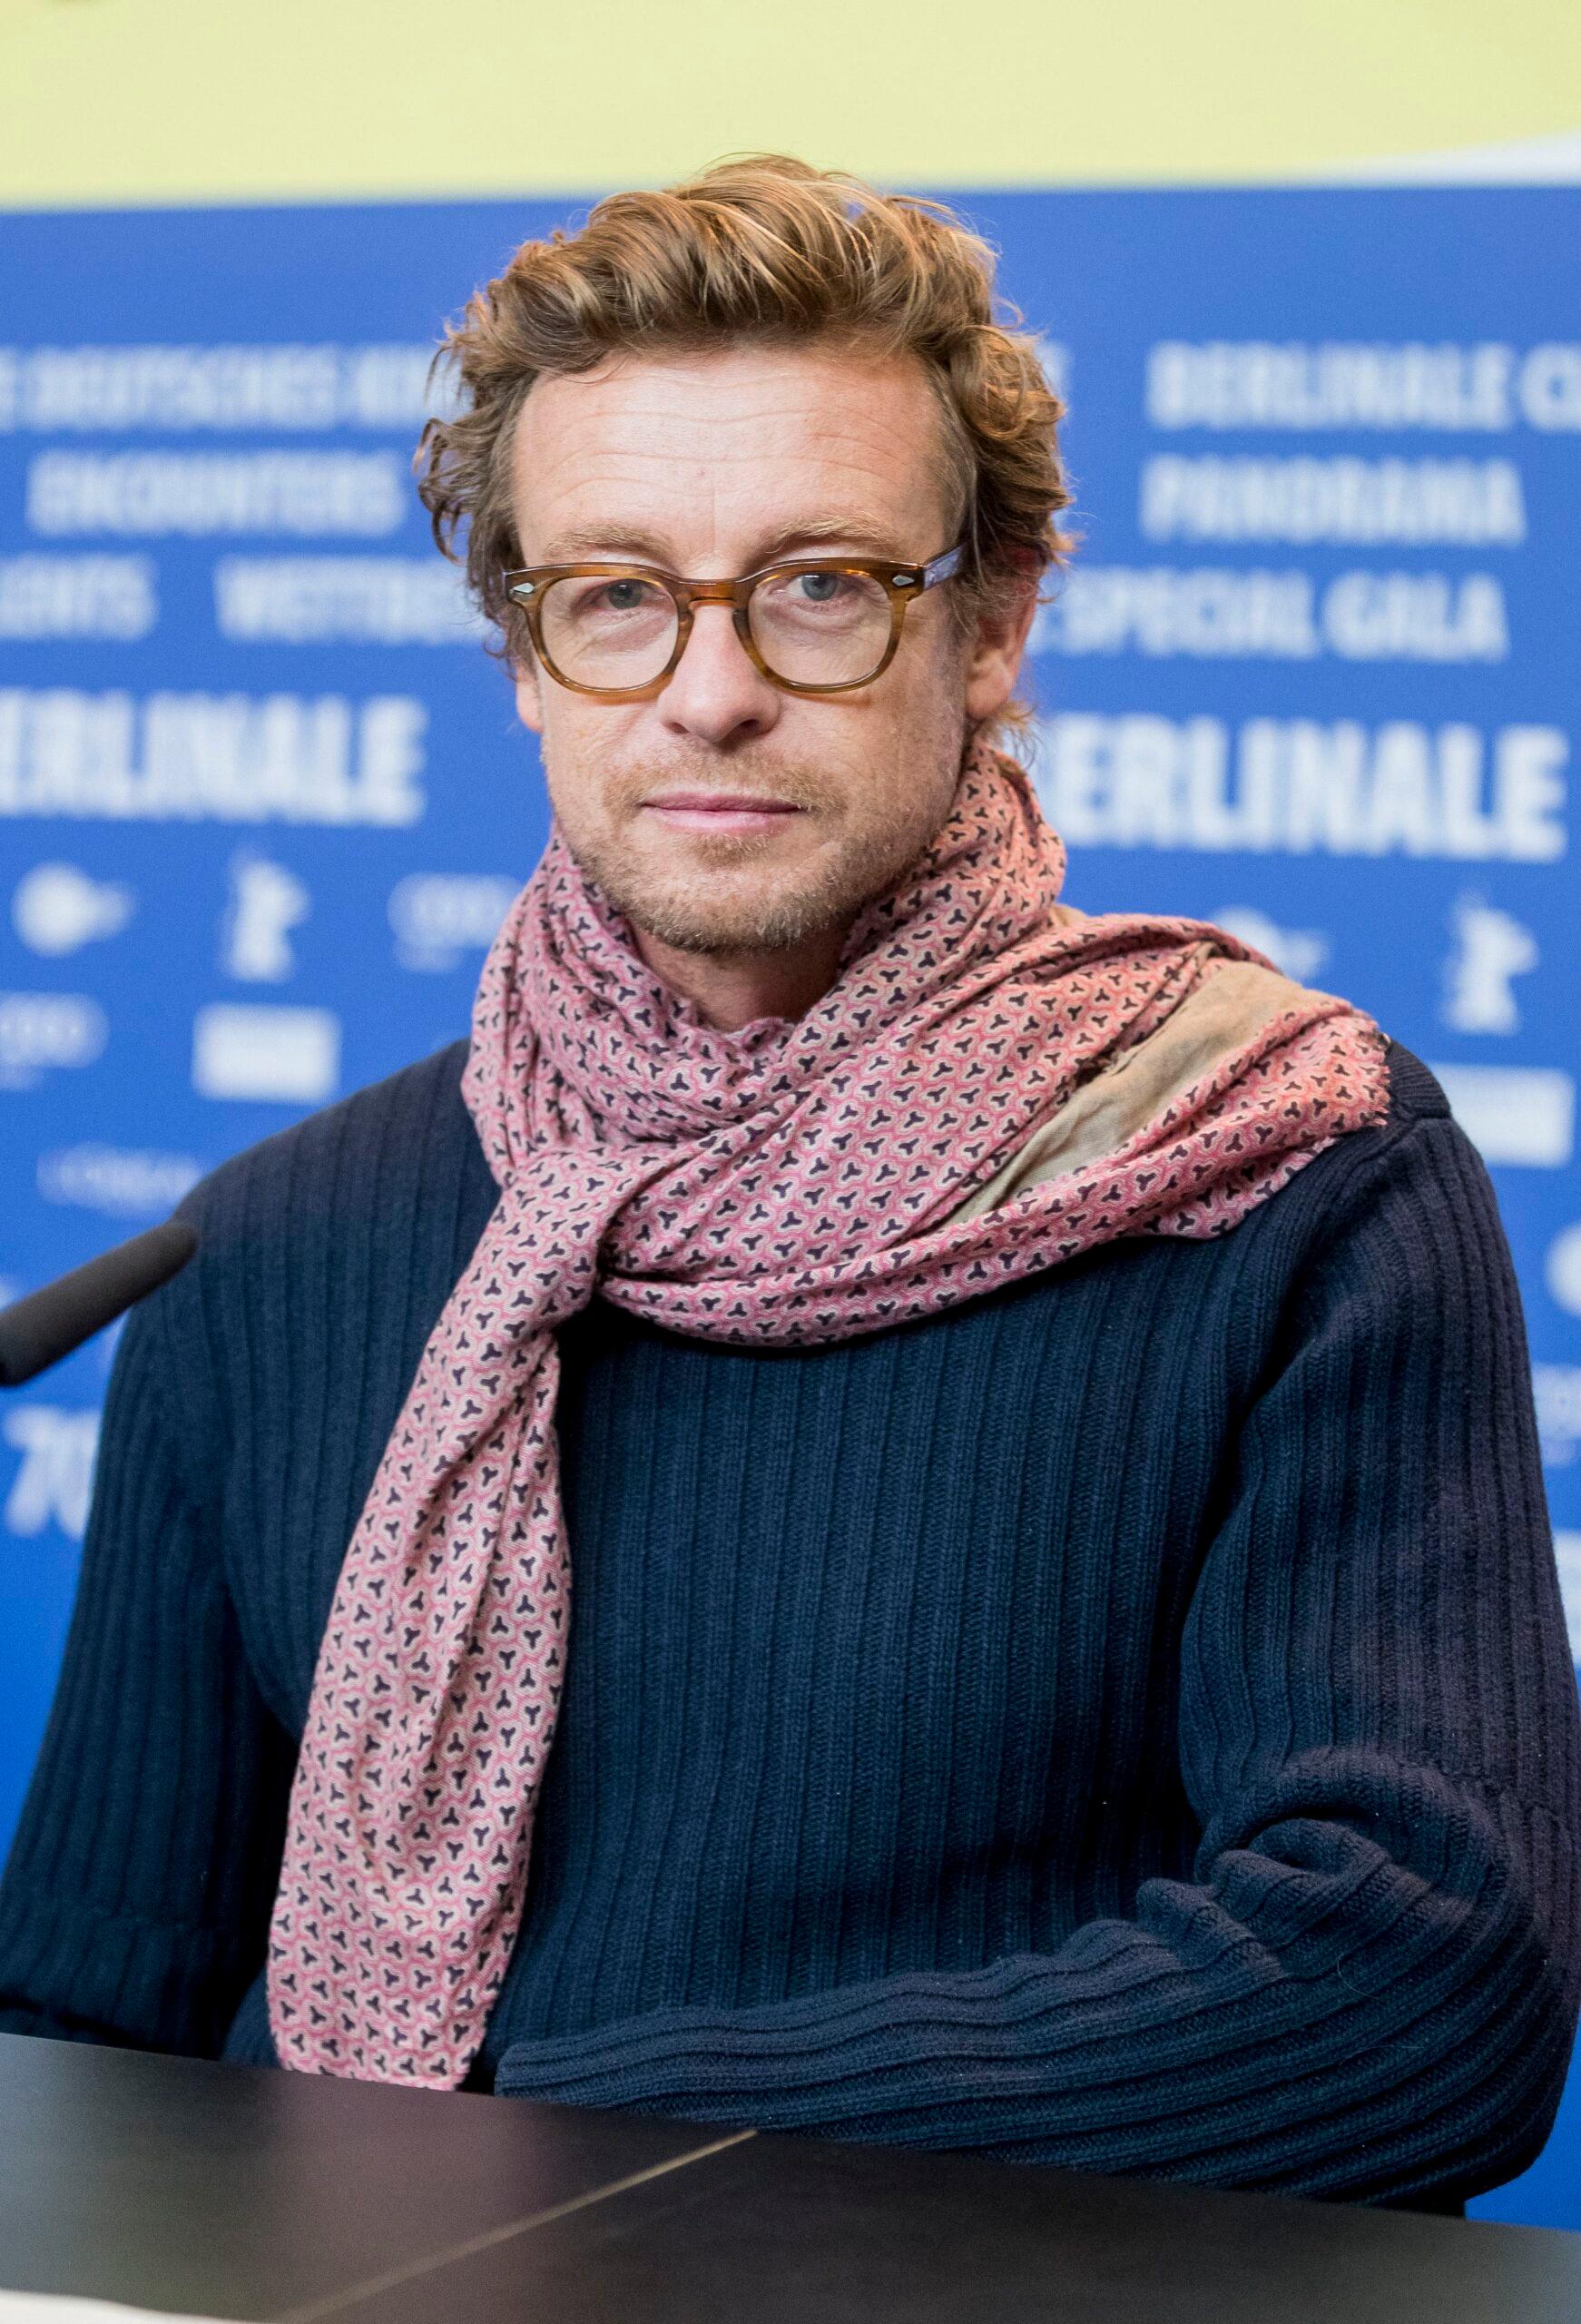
pixel 941 568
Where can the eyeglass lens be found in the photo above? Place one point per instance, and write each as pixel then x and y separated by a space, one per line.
pixel 820 628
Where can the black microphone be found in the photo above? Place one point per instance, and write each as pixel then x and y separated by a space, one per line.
pixel 38 1331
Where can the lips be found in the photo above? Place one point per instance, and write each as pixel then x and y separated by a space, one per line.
pixel 720 811
pixel 721 802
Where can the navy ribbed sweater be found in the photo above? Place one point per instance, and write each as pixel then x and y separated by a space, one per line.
pixel 1125 1722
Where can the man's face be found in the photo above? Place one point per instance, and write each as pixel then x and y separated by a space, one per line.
pixel 723 816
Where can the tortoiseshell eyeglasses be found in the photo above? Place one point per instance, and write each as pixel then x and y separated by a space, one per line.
pixel 816 625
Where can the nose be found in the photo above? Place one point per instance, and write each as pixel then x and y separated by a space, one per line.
pixel 715 692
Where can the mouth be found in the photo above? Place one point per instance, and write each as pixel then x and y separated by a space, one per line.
pixel 719 811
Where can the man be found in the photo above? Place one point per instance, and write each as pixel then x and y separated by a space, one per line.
pixel 1030 1413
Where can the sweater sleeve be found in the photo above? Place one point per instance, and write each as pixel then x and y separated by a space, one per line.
pixel 1369 1986
pixel 134 1905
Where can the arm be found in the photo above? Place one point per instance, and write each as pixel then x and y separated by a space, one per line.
pixel 134 1905
pixel 1369 1986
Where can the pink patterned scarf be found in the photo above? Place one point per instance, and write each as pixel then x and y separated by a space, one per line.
pixel 788 1183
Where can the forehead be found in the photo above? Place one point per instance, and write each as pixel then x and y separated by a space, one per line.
pixel 720 453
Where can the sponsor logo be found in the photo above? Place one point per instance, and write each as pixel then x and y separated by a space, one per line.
pixel 1219 613
pixel 78 597
pixel 188 388
pixel 267 901
pixel 38 1030
pixel 1416 617
pixel 1299 952
pixel 1524 1115
pixel 55 1478
pixel 281 1056
pixel 1485 386
pixel 1562 1269
pixel 58 909
pixel 1257 383
pixel 1208 613
pixel 1556 1388
pixel 438 916
pixel 1550 385
pixel 1299 787
pixel 124 1182
pixel 231 758
pixel 314 600
pixel 147 494
pixel 1472 504
pixel 1491 949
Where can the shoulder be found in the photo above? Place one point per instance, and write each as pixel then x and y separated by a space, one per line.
pixel 1407 1201
pixel 1401 1216
pixel 1420 1143
pixel 1417 1123
pixel 1414 1095
pixel 274 1362
pixel 353 1216
pixel 372 1150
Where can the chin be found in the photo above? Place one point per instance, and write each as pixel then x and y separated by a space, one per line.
pixel 744 905
pixel 692 924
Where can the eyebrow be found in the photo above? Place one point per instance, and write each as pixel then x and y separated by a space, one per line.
pixel 617 541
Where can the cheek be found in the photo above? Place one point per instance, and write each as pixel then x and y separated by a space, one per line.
pixel 925 740
pixel 574 794
pixel 597 761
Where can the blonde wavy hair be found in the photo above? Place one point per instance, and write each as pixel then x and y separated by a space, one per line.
pixel 764 249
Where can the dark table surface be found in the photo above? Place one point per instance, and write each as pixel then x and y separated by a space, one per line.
pixel 222 2191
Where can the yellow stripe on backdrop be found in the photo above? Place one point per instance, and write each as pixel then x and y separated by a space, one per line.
pixel 118 101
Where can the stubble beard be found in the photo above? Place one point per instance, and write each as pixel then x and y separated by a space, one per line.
pixel 695 906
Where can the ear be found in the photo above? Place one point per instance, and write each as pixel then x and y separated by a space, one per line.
pixel 529 694
pixel 994 660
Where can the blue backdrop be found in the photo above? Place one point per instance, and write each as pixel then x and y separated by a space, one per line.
pixel 262 797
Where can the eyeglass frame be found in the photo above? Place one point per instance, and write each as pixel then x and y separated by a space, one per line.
pixel 902 583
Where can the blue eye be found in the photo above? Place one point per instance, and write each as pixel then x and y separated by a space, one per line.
pixel 820 588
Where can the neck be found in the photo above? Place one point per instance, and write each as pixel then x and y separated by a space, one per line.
pixel 730 989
